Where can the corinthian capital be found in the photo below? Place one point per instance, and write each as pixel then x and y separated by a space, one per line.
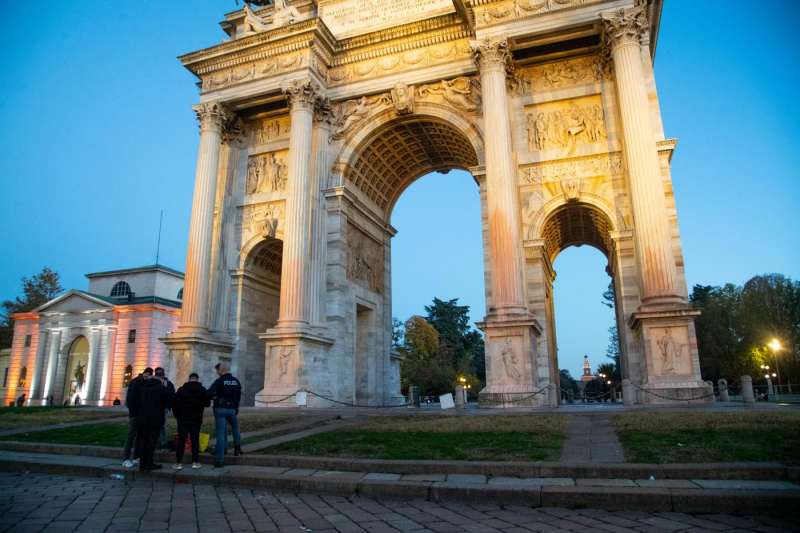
pixel 623 26
pixel 212 116
pixel 323 113
pixel 301 94
pixel 491 54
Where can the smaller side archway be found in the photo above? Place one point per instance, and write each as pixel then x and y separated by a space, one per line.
pixel 75 371
pixel 558 226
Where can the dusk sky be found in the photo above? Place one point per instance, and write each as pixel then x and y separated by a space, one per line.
pixel 98 137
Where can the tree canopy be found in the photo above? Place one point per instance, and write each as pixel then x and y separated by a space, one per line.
pixel 36 290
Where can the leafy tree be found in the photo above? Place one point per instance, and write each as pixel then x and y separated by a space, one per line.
pixel 421 365
pixel 459 345
pixel 613 348
pixel 37 290
pixel 568 383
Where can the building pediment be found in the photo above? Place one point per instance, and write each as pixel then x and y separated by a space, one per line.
pixel 75 302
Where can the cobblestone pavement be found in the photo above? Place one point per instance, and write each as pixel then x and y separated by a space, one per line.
pixel 40 502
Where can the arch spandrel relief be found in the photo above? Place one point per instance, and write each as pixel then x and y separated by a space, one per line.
pixel 549 105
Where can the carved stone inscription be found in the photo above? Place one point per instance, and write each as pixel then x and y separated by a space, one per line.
pixel 364 260
pixel 266 173
pixel 565 125
pixel 346 18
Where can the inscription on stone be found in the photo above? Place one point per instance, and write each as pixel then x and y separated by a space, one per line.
pixel 346 18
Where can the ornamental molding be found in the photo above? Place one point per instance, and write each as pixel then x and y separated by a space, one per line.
pixel 490 12
pixel 609 164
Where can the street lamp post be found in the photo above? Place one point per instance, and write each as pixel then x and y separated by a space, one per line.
pixel 775 346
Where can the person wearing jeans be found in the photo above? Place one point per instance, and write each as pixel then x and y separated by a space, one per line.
pixel 132 444
pixel 226 392
pixel 188 406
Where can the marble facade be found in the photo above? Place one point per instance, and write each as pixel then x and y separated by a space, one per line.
pixel 315 115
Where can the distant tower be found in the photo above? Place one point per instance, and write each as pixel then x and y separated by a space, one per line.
pixel 587 370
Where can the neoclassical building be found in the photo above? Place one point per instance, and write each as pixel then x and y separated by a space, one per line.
pixel 315 115
pixel 87 345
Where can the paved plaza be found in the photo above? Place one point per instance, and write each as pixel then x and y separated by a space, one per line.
pixel 38 502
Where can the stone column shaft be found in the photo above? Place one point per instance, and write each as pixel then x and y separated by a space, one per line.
pixel 52 362
pixel 107 356
pixel 194 314
pixel 91 366
pixel 294 308
pixel 38 372
pixel 505 253
pixel 319 244
pixel 651 225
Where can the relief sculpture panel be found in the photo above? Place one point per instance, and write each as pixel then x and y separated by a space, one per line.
pixel 270 129
pixel 563 74
pixel 364 260
pixel 565 125
pixel 266 173
pixel 670 351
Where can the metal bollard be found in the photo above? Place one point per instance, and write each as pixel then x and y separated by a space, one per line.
pixel 747 390
pixel 722 383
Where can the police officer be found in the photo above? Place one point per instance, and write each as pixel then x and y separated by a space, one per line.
pixel 226 392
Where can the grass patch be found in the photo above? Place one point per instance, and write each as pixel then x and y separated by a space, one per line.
pixel 474 438
pixel 701 437
pixel 18 417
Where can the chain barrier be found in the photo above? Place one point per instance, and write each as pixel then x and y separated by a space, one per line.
pixel 584 396
pixel 710 395
pixel 355 404
pixel 278 401
pixel 517 400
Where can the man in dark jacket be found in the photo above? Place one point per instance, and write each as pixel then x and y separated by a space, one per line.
pixel 153 397
pixel 131 401
pixel 226 392
pixel 188 405
pixel 162 434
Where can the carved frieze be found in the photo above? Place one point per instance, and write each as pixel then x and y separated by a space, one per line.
pixel 262 219
pixel 563 74
pixel 462 93
pixel 388 64
pixel 365 261
pixel 565 125
pixel 498 12
pixel 266 173
pixel 270 129
pixel 264 68
pixel 583 168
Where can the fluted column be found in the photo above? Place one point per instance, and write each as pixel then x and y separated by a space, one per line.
pixel 622 32
pixel 295 281
pixel 107 356
pixel 505 247
pixel 52 362
pixel 319 218
pixel 213 118
pixel 91 366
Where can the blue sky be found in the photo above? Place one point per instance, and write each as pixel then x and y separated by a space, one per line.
pixel 99 136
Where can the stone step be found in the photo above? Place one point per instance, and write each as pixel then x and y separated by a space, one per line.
pixel 687 496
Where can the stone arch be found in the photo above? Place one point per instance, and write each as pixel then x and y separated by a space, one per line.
pixel 433 138
pixel 592 202
pixel 75 367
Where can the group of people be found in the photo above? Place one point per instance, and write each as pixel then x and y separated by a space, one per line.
pixel 151 396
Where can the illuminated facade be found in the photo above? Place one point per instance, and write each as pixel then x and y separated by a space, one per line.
pixel 86 345
pixel 315 115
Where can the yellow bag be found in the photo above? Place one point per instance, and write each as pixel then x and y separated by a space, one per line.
pixel 204 442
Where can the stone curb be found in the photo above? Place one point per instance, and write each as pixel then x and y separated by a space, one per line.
pixel 740 471
pixel 698 501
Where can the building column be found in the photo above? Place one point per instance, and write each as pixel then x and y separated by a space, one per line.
pixel 38 376
pixel 52 362
pixel 91 365
pixel 295 279
pixel 213 118
pixel 319 219
pixel 505 246
pixel 107 356
pixel 622 33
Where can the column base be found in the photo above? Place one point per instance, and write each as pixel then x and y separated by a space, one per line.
pixel 291 354
pixel 190 351
pixel 671 362
pixel 513 375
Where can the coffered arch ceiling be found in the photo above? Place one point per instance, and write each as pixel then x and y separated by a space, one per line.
pixel 576 224
pixel 403 150
pixel 265 258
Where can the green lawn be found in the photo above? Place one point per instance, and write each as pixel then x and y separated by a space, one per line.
pixel 474 438
pixel 672 437
pixel 19 417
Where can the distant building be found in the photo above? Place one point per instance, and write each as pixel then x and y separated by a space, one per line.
pixel 87 345
pixel 587 370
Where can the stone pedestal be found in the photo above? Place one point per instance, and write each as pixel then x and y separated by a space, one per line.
pixel 288 368
pixel 747 390
pixel 723 390
pixel 511 370
pixel 197 354
pixel 669 349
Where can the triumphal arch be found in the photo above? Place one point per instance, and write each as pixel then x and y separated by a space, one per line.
pixel 315 115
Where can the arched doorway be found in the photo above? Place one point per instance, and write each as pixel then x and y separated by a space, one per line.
pixel 380 161
pixel 257 285
pixel 75 371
